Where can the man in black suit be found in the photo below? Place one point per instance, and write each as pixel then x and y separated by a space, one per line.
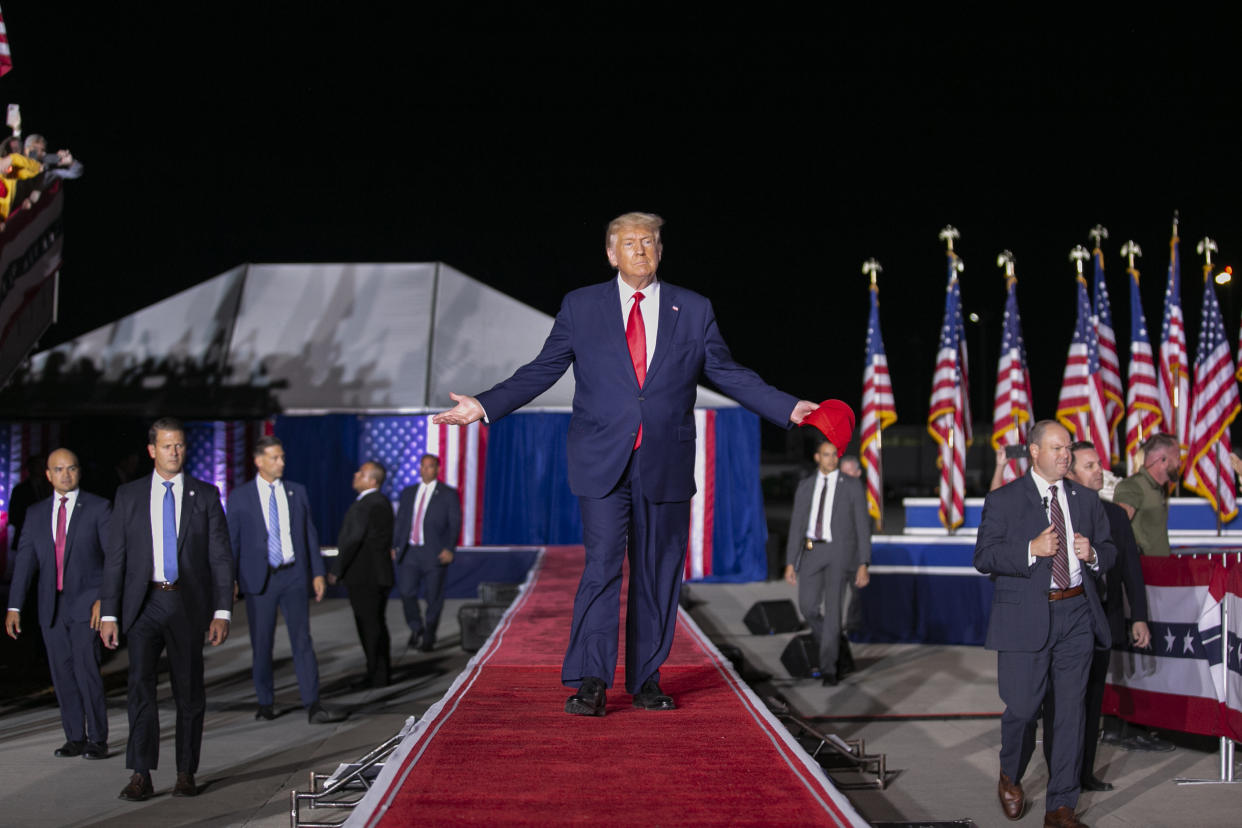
pixel 1085 468
pixel 364 564
pixel 829 545
pixel 63 546
pixel 423 545
pixel 276 549
pixel 1043 539
pixel 168 581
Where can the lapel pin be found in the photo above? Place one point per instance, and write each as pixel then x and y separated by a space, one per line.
pixel 676 308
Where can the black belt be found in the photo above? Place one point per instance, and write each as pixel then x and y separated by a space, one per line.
pixel 166 586
pixel 282 566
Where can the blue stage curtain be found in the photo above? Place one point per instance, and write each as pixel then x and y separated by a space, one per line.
pixel 321 453
pixel 526 497
pixel 739 530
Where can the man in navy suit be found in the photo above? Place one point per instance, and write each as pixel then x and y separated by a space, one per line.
pixel 168 581
pixel 423 543
pixel 276 549
pixel 63 546
pixel 638 347
pixel 1044 539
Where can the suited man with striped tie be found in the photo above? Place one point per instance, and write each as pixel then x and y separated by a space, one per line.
pixel 276 549
pixel 1044 539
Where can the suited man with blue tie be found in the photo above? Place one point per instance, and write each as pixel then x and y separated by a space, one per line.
pixel 638 347
pixel 276 550
pixel 63 547
pixel 423 544
pixel 1044 539
pixel 168 582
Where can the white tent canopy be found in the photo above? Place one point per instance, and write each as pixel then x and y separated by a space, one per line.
pixel 331 337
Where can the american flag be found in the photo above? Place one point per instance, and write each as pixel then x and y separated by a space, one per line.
pixel 949 419
pixel 1174 373
pixel 1143 416
pixel 1110 366
pixel 1081 407
pixel 1012 409
pixel 1215 405
pixel 879 412
pixel 399 442
pixel 703 504
pixel 6 57
pixel 19 441
pixel 221 452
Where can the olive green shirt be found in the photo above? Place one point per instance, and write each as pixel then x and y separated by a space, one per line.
pixel 1151 512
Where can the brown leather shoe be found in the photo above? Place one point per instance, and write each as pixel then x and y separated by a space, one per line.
pixel 139 788
pixel 1012 800
pixel 185 785
pixel 1062 817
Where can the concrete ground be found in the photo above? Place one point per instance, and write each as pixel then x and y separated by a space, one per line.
pixel 932 710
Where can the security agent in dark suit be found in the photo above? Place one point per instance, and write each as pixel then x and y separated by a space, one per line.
pixel 423 544
pixel 168 581
pixel 63 546
pixel 1046 615
pixel 638 347
pixel 829 542
pixel 1085 468
pixel 364 564
pixel 276 549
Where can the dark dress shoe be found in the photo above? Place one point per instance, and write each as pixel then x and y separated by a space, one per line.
pixel 1094 783
pixel 318 714
pixel 428 644
pixel 589 700
pixel 69 749
pixel 95 750
pixel 265 712
pixel 413 642
pixel 361 683
pixel 1062 817
pixel 185 785
pixel 651 697
pixel 139 788
pixel 830 680
pixel 1012 799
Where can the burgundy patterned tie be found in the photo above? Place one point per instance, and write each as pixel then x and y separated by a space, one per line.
pixel 1060 561
pixel 61 522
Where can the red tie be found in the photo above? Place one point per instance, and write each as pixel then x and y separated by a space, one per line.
pixel 61 520
pixel 636 338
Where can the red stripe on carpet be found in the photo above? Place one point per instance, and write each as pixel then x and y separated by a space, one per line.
pixel 499 749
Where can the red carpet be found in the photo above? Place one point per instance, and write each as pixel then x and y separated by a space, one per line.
pixel 498 748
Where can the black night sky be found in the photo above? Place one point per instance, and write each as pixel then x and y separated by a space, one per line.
pixel 781 158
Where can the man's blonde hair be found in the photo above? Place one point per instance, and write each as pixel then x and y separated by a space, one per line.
pixel 647 221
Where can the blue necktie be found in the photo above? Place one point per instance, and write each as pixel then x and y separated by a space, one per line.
pixel 275 556
pixel 170 533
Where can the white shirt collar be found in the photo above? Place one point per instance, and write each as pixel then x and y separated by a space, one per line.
pixel 651 291
pixel 365 492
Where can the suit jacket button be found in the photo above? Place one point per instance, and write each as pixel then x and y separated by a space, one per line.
pixel 642 399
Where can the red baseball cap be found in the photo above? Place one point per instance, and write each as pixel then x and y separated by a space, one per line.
pixel 835 420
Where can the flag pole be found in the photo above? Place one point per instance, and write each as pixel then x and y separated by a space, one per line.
pixel 872 269
pixel 1175 391
pixel 1006 260
pixel 1206 247
pixel 1130 250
